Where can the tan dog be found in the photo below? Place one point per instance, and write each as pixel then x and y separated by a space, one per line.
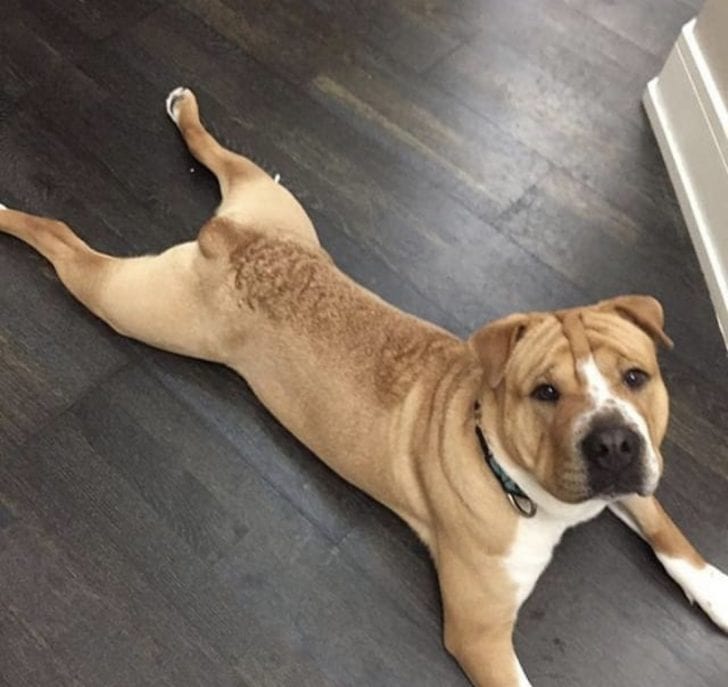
pixel 572 403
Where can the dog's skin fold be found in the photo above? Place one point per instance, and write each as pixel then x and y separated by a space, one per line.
pixel 571 402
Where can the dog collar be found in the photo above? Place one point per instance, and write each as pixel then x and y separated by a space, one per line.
pixel 517 497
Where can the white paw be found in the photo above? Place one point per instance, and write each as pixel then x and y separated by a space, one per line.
pixel 173 100
pixel 3 207
pixel 712 596
pixel 707 587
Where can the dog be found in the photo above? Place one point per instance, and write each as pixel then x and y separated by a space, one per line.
pixel 488 448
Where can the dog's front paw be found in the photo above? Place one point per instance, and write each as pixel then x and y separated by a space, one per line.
pixel 3 207
pixel 174 100
pixel 712 595
pixel 705 586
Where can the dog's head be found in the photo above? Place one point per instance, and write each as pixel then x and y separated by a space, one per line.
pixel 575 397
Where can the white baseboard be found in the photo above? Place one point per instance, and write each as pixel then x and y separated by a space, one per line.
pixel 690 122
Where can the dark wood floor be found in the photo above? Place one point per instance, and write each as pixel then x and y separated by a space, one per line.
pixel 463 158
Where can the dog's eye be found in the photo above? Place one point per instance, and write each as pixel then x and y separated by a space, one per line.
pixel 636 378
pixel 546 393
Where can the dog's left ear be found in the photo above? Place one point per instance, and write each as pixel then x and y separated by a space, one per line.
pixel 645 311
pixel 494 342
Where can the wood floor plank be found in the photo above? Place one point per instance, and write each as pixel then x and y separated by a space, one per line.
pixel 651 24
pixel 21 50
pixel 572 47
pixel 96 19
pixel 437 137
pixel 393 29
pixel 75 613
pixel 68 624
pixel 48 29
pixel 607 152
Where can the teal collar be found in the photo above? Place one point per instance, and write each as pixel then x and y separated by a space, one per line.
pixel 517 497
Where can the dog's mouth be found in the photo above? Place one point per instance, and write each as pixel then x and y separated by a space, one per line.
pixel 621 485
pixel 608 489
pixel 583 480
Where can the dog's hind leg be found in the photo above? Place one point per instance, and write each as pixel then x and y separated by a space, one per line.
pixel 163 300
pixel 250 196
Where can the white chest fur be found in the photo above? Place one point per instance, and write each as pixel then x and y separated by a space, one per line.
pixel 534 543
pixel 536 538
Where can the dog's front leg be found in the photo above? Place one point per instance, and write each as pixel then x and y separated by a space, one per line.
pixel 480 608
pixel 702 583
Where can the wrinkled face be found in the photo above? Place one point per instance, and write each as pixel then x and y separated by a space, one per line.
pixel 580 403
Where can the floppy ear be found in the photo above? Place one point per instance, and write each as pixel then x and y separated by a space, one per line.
pixel 645 311
pixel 494 343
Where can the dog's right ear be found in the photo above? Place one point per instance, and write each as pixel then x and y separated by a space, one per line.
pixel 494 342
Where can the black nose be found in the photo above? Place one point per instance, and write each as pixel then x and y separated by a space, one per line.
pixel 612 449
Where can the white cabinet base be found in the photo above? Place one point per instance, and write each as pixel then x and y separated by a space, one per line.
pixel 689 118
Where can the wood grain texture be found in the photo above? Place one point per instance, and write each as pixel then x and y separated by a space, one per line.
pixel 463 159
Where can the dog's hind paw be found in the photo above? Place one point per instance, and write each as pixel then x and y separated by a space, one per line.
pixel 3 207
pixel 173 100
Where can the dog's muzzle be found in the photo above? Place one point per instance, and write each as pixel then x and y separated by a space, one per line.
pixel 614 456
